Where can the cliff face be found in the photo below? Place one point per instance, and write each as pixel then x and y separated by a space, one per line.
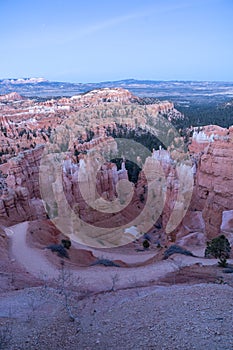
pixel 214 182
pixel 24 171
pixel 20 193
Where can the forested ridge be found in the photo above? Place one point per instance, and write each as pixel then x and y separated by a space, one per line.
pixel 206 114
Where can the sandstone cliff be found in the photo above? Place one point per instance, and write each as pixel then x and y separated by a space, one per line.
pixel 20 194
pixel 213 191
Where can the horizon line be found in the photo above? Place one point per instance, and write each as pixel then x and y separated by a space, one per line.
pixel 117 80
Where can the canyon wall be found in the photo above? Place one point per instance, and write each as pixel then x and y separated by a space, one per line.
pixel 214 182
pixel 19 192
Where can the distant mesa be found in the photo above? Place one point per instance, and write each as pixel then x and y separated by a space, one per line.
pixel 107 95
pixel 25 81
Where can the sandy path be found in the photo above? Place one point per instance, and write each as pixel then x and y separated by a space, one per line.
pixel 31 259
pixel 95 278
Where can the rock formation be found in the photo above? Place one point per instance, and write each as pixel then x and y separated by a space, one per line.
pixel 20 194
pixel 213 190
pixel 12 96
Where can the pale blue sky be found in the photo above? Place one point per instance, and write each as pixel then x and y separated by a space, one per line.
pixel 90 41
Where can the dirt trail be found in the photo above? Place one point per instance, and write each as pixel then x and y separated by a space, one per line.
pixel 95 278
pixel 31 259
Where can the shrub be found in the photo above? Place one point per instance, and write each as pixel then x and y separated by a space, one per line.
pixel 175 249
pixel 59 249
pixel 219 248
pixel 105 262
pixel 146 244
pixel 141 198
pixel 66 243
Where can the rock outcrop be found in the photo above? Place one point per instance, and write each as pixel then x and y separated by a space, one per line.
pixel 20 194
pixel 214 183
pixel 12 96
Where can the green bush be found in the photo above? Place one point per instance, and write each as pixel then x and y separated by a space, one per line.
pixel 219 248
pixel 146 244
pixel 66 243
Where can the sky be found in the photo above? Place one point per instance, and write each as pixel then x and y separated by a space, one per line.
pixel 93 41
